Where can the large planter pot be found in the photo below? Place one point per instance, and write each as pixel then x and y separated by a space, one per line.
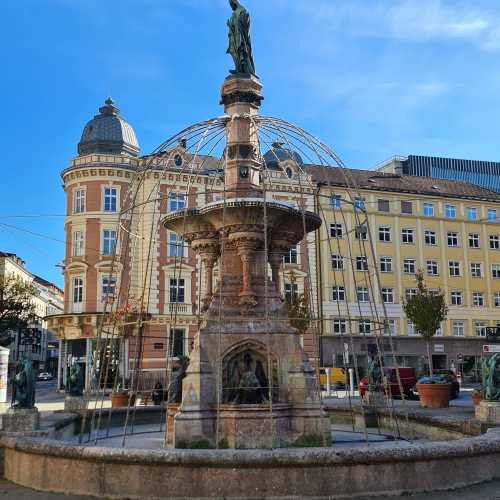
pixel 434 395
pixel 120 399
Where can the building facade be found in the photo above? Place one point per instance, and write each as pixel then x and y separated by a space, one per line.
pixel 482 173
pixel 448 229
pixel 41 344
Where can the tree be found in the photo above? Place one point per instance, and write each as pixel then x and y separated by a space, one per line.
pixel 17 308
pixel 427 310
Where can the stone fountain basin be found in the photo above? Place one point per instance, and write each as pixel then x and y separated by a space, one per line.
pixel 242 211
pixel 51 465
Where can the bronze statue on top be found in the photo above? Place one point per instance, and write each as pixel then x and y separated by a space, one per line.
pixel 240 45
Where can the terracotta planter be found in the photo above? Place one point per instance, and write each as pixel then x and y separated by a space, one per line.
pixel 434 395
pixel 119 399
pixel 476 398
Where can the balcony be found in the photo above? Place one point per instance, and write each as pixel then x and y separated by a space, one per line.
pixel 180 309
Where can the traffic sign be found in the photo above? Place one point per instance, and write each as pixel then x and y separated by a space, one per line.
pixel 491 348
pixel 460 356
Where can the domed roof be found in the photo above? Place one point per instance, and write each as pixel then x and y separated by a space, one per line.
pixel 108 132
pixel 279 154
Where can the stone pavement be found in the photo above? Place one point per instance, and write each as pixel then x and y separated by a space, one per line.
pixel 486 491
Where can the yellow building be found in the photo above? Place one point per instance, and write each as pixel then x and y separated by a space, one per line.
pixel 449 229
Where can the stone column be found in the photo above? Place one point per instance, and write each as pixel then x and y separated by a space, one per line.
pixel 246 246
pixel 275 261
pixel 206 245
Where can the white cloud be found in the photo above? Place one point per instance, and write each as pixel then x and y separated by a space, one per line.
pixel 411 20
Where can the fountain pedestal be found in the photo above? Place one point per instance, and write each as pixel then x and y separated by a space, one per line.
pixel 21 420
pixel 249 383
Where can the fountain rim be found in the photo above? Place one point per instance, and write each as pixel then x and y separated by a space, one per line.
pixel 312 218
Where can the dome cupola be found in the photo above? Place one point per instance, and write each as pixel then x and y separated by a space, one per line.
pixel 108 132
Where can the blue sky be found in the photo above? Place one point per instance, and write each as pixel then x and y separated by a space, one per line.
pixel 371 78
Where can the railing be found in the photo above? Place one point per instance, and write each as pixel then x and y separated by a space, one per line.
pixel 176 308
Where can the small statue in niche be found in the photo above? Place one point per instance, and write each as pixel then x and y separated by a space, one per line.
pixel 74 380
pixel 247 381
pixel 179 368
pixel 24 384
pixel 490 372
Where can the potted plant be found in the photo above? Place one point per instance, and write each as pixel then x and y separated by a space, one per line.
pixel 121 396
pixel 434 391
pixel 427 310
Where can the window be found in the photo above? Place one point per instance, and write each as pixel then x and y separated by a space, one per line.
pixel 454 268
pixel 108 242
pixel 339 326
pixel 361 232
pixel 474 241
pixel 406 207
pixel 409 266
pixel 408 236
pixel 365 327
pixel 292 256
pixel 336 230
pixel 362 294
pixel 361 263
pixel 456 298
pixel 492 214
pixel 388 295
pixel 496 299
pixel 108 286
pixel 410 292
pixel 450 211
pixel 430 237
pixel 475 269
pixel 175 245
pixel 390 327
pixel 411 328
pixel 495 271
pixel 78 244
pixel 291 292
pixel 452 239
pixel 77 295
pixel 386 264
pixel 472 213
pixel 338 293
pixel 359 204
pixel 176 201
pixel 429 209
pixel 177 289
pixel 336 201
pixel 494 242
pixel 79 201
pixel 384 206
pixel 432 268
pixel 384 233
pixel 478 299
pixel 480 328
pixel 337 262
pixel 177 342
pixel 110 199
pixel 458 329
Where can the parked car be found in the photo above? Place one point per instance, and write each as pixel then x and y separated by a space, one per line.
pixel 43 376
pixel 338 377
pixel 408 382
